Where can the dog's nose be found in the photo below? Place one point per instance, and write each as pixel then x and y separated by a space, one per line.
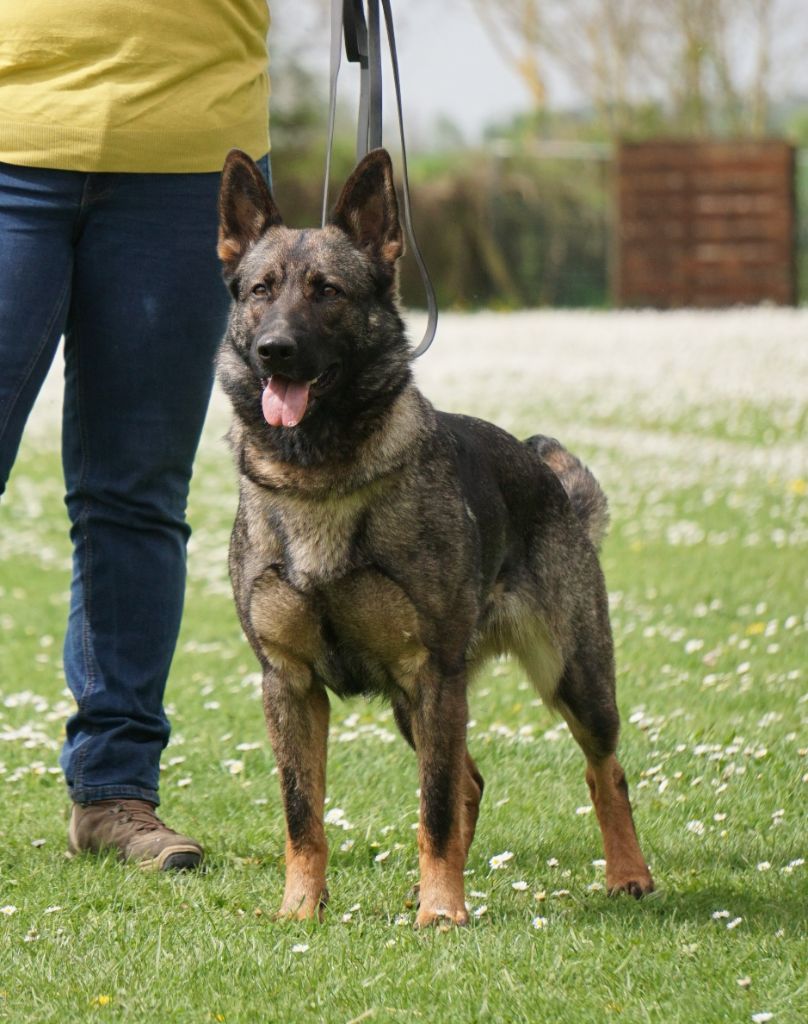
pixel 276 350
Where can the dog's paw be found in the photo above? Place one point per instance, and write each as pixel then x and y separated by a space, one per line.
pixel 638 885
pixel 303 908
pixel 441 916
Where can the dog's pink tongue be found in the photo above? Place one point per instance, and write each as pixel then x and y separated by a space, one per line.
pixel 284 401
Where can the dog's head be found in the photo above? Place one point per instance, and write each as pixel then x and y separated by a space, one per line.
pixel 313 310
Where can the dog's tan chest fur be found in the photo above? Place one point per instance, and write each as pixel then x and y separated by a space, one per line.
pixel 318 537
pixel 310 537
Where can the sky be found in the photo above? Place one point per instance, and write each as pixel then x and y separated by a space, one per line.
pixel 451 69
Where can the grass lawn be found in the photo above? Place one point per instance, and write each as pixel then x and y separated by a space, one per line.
pixel 696 426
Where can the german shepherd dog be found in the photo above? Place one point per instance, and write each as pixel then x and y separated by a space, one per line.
pixel 381 547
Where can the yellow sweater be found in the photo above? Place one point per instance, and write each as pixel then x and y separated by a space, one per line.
pixel 132 85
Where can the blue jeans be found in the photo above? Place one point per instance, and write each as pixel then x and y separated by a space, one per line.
pixel 124 266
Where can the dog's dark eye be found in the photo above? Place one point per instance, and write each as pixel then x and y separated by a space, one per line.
pixel 330 291
pixel 259 290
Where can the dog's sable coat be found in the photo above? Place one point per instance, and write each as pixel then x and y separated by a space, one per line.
pixel 383 547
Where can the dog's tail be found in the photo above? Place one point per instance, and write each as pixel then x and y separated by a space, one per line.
pixel 585 494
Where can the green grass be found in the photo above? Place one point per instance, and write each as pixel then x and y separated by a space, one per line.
pixel 706 568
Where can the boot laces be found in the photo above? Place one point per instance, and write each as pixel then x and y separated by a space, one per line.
pixel 139 814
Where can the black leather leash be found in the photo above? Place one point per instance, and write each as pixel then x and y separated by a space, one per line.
pixel 363 46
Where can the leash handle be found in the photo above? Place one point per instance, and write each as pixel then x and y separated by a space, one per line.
pixel 362 40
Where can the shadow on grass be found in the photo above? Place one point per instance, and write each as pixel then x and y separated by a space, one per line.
pixel 765 913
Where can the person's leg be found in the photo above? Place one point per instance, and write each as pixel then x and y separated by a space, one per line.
pixel 38 212
pixel 147 313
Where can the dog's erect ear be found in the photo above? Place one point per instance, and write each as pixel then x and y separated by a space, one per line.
pixel 246 208
pixel 367 209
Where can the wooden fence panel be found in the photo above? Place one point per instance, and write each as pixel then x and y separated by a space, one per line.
pixel 705 224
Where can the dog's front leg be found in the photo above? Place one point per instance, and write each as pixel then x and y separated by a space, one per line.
pixel 297 721
pixel 438 722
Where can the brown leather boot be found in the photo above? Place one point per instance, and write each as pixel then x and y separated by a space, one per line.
pixel 133 829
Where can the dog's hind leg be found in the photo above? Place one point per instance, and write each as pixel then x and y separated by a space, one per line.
pixel 626 870
pixel 592 717
pixel 297 721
